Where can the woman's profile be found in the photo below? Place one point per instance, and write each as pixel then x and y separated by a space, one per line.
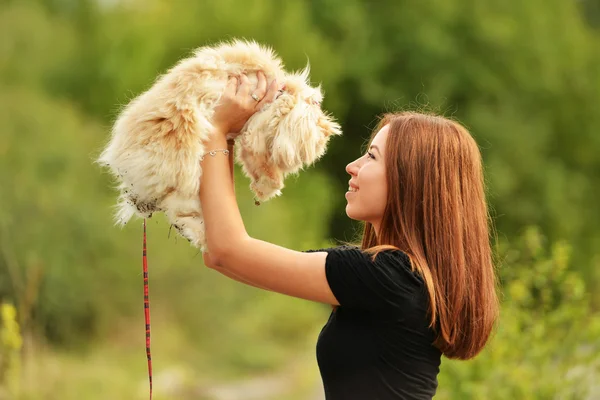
pixel 422 282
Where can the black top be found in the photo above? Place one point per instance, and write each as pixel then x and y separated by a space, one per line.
pixel 376 344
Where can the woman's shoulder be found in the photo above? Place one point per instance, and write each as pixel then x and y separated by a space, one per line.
pixel 397 261
pixel 334 248
pixel 389 261
pixel 385 256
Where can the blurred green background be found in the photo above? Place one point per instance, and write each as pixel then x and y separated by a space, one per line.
pixel 523 76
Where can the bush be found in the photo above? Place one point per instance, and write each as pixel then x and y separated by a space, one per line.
pixel 10 346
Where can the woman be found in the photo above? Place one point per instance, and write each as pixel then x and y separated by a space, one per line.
pixel 421 285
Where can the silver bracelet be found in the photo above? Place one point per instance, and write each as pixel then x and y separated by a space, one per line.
pixel 212 153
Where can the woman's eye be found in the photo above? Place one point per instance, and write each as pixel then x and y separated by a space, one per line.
pixel 370 155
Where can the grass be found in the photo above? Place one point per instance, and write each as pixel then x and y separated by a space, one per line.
pixel 116 368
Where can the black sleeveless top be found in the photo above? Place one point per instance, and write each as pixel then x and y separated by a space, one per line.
pixel 376 344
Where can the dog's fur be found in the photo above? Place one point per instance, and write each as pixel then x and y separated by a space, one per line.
pixel 159 137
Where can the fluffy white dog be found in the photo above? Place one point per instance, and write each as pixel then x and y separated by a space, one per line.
pixel 158 139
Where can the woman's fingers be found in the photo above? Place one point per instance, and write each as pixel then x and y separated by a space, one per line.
pixel 231 87
pixel 245 88
pixel 261 86
pixel 270 96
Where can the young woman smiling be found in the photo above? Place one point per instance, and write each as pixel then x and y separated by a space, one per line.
pixel 421 284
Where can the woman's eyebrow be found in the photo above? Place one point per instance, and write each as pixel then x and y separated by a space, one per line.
pixel 375 147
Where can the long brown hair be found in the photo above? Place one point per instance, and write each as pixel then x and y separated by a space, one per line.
pixel 436 213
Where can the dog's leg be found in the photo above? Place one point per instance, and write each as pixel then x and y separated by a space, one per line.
pixel 269 182
pixel 185 215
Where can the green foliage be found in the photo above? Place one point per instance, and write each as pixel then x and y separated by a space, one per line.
pixel 10 346
pixel 528 92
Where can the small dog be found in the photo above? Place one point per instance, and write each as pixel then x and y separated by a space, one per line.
pixel 158 139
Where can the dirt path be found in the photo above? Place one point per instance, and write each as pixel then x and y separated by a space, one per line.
pixel 283 385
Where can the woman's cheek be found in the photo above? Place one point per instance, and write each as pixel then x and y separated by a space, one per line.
pixel 380 195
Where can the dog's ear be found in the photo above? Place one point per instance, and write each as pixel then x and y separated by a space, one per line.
pixel 293 138
pixel 328 126
pixel 301 136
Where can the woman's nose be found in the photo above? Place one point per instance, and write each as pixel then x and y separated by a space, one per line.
pixel 352 168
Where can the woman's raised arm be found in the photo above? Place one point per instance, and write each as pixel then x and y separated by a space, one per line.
pixel 231 249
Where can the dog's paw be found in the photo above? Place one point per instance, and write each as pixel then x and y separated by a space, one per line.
pixel 265 189
pixel 192 229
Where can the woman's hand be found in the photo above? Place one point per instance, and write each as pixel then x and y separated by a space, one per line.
pixel 239 102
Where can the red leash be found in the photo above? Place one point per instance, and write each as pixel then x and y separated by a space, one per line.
pixel 147 309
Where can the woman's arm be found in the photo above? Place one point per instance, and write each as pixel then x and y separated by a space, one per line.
pixel 230 147
pixel 208 261
pixel 210 264
pixel 257 262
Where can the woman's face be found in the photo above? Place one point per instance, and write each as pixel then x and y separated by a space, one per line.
pixel 367 192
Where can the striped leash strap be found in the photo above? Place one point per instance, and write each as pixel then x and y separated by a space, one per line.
pixel 147 309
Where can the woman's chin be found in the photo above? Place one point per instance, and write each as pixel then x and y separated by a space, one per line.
pixel 351 214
